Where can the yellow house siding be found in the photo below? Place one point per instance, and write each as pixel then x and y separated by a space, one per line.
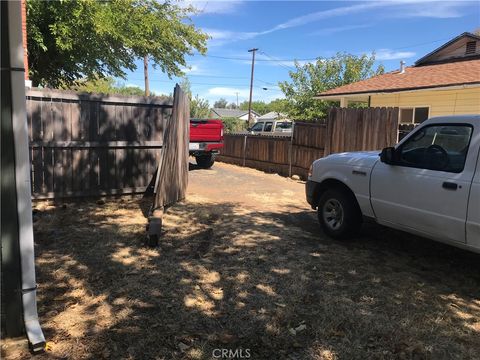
pixel 441 102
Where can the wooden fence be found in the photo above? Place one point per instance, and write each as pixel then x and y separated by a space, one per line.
pixel 83 145
pixel 361 129
pixel 345 130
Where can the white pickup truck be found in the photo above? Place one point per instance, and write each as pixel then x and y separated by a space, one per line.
pixel 428 184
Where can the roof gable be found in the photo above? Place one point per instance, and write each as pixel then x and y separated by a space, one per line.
pixel 224 112
pixel 463 46
pixel 272 115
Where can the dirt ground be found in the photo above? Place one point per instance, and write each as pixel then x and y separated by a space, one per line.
pixel 243 266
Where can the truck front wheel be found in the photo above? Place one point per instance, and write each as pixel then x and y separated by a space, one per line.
pixel 205 161
pixel 338 214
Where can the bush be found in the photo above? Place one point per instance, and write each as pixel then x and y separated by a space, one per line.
pixel 232 125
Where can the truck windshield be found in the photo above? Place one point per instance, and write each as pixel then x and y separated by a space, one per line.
pixel 438 147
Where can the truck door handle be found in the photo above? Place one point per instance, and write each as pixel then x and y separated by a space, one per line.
pixel 449 185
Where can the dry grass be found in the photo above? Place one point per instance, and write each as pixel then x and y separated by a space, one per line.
pixel 240 277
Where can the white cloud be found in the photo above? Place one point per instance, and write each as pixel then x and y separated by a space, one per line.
pixel 398 8
pixel 333 30
pixel 192 70
pixel 387 54
pixel 220 37
pixel 325 14
pixel 229 92
pixel 429 8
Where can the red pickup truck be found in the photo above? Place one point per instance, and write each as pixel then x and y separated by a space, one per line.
pixel 206 139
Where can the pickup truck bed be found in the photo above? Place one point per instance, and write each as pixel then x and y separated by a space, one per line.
pixel 206 139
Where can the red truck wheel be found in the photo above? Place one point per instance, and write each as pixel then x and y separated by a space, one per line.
pixel 205 161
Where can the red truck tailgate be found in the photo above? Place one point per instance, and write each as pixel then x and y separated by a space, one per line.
pixel 206 130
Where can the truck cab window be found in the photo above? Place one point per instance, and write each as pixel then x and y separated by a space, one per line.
pixel 258 126
pixel 268 126
pixel 437 147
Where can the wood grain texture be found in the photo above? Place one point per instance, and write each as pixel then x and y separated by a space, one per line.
pixel 346 129
pixel 92 144
pixel 173 168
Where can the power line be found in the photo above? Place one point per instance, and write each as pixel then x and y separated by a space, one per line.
pixel 210 76
pixel 426 43
pixel 272 59
pixel 244 59
pixel 280 62
pixel 209 84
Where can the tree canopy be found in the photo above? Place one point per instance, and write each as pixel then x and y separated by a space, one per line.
pixel 311 79
pixel 220 103
pixel 69 40
pixel 199 108
pixel 259 107
pixel 107 85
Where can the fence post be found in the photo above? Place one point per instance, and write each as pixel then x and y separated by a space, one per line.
pixel 244 149
pixel 290 153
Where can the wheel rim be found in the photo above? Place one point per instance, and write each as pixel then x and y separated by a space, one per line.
pixel 332 213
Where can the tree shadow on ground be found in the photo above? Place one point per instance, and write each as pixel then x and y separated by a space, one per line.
pixel 226 277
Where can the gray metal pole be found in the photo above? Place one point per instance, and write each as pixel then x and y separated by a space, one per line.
pixel 251 87
pixel 22 187
pixel 12 317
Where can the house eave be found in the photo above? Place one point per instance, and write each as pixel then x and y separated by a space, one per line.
pixel 365 94
pixel 423 60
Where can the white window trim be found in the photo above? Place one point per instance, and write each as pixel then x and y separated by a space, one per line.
pixel 413 108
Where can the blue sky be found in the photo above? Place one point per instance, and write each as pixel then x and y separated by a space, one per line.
pixel 304 30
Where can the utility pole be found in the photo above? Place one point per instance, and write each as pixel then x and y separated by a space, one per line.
pixel 237 99
pixel 251 87
pixel 145 72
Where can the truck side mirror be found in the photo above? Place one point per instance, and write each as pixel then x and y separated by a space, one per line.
pixel 387 155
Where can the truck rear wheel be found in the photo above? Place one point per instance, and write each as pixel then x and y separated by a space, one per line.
pixel 338 214
pixel 205 161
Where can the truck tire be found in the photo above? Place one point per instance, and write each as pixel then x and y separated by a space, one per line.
pixel 205 161
pixel 339 214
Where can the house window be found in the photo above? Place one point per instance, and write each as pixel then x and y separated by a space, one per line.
pixel 406 116
pixel 421 114
pixel 414 115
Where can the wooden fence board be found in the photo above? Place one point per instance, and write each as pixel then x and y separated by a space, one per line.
pixel 84 145
pixel 346 129
pixel 173 169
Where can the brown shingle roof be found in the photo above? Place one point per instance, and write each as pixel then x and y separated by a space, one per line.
pixel 415 77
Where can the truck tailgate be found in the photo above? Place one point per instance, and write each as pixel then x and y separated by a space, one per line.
pixel 206 130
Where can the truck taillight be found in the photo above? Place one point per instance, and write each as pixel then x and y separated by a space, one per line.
pixel 221 133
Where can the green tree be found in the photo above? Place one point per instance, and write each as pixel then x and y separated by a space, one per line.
pixel 232 124
pixel 259 107
pixel 311 79
pixel 279 105
pixel 69 40
pixel 220 103
pixel 199 108
pixel 107 85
